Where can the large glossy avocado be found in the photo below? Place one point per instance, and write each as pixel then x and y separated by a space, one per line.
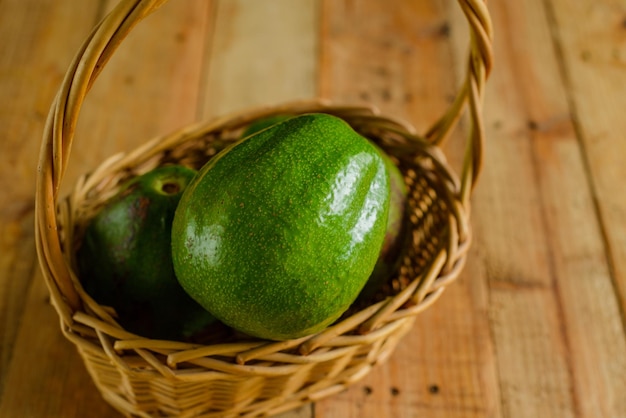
pixel 125 257
pixel 277 235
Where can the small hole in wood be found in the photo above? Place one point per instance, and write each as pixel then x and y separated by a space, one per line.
pixel 585 55
pixel 444 29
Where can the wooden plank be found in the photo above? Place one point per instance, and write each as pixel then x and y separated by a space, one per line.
pixel 399 55
pixel 543 246
pixel 27 58
pixel 591 40
pixel 263 54
pixel 395 55
pixel 150 87
pixel 46 377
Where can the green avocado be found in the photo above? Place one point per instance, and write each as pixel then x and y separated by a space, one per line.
pixel 125 258
pixel 277 235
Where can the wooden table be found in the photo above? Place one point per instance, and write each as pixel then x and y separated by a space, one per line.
pixel 535 326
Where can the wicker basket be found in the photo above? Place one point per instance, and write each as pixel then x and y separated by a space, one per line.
pixel 240 376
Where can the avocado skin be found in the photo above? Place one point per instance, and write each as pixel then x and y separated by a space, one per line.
pixel 125 258
pixel 277 235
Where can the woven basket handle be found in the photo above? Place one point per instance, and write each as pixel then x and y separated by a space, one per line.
pixel 98 49
pixel 59 134
pixel 479 67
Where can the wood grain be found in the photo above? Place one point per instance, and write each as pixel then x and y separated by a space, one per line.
pixel 34 52
pixel 395 55
pixel 591 45
pixel 43 362
pixel 535 327
pixel 549 278
pixel 263 54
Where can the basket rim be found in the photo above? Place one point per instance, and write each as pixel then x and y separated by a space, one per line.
pixel 445 267
pixel 165 357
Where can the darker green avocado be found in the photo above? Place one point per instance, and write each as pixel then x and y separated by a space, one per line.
pixel 125 258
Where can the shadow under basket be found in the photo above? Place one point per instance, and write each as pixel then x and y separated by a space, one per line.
pixel 240 376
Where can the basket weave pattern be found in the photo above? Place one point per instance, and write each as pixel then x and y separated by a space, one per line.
pixel 239 375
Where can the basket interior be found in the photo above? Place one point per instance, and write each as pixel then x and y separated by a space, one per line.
pixel 430 188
